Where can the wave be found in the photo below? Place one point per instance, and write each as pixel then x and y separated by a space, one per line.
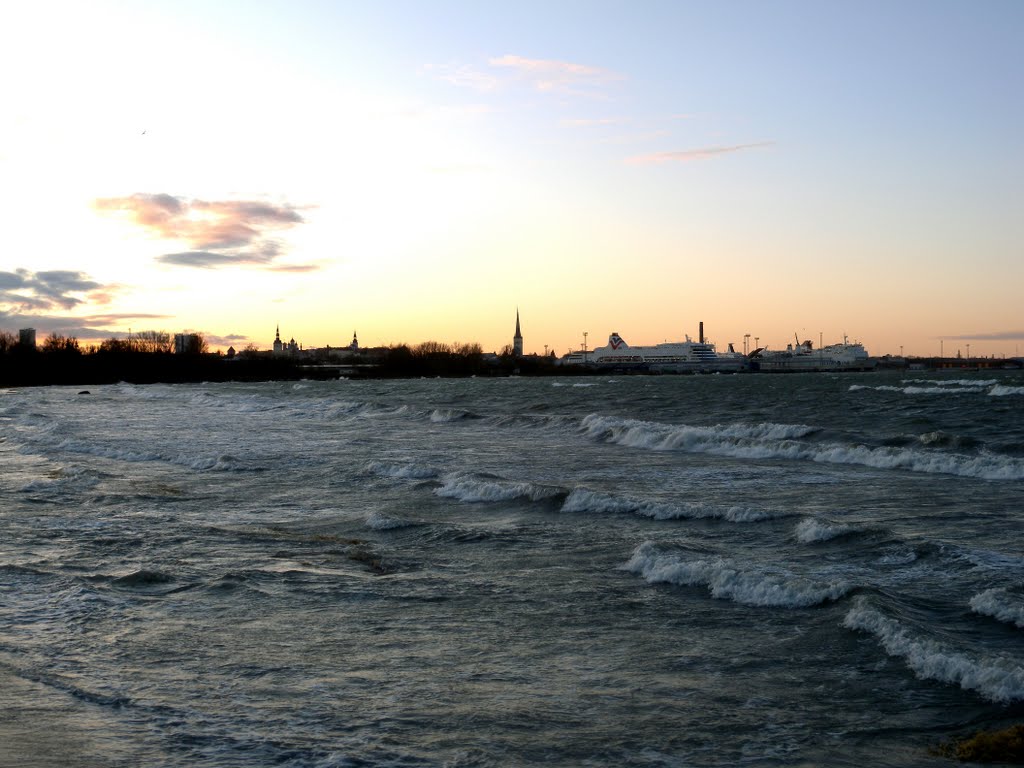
pixel 472 488
pixel 446 415
pixel 780 441
pixel 775 588
pixel 992 387
pixel 999 679
pixel 379 522
pixel 220 463
pixel 66 480
pixel 584 500
pixel 919 390
pixel 941 439
pixel 142 579
pixel 402 471
pixel 952 382
pixel 813 530
pixel 1004 391
pixel 1000 604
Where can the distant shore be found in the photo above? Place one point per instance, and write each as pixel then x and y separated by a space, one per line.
pixel 34 368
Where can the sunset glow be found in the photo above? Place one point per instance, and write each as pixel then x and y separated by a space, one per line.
pixel 417 171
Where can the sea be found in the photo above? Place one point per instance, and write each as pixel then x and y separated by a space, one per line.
pixel 721 570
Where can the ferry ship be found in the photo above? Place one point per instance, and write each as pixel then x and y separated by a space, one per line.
pixel 847 356
pixel 669 357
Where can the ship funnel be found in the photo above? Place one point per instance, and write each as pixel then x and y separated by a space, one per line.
pixel 701 331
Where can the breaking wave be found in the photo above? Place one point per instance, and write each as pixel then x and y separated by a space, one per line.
pixel 781 441
pixel 472 488
pixel 584 500
pixel 992 387
pixel 1004 391
pixel 220 463
pixel 999 679
pixel 376 521
pixel 813 530
pixel 1000 604
pixel 446 415
pixel 977 388
pixel 952 382
pixel 403 471
pixel 764 588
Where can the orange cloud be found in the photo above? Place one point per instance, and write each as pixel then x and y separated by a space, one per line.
pixel 555 76
pixel 703 153
pixel 220 232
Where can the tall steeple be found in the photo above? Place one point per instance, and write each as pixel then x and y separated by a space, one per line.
pixel 278 346
pixel 517 340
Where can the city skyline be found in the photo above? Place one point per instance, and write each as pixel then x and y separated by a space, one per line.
pixel 418 172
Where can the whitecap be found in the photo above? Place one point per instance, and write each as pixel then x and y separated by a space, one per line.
pixel 999 679
pixel 585 500
pixel 780 441
pixel 811 530
pixel 469 488
pixel 759 587
pixel 1000 604
pixel 403 471
pixel 380 522
pixel 445 415
pixel 1005 391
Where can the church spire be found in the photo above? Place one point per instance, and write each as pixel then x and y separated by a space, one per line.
pixel 517 340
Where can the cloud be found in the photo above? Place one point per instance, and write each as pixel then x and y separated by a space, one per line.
pixel 28 291
pixel 219 233
pixel 994 336
pixel 211 259
pixel 703 153
pixel 551 76
pixel 591 122
pixel 229 340
pixel 464 76
pixel 545 75
pixel 295 268
pixel 89 328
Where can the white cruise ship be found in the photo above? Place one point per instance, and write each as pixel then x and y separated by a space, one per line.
pixel 846 356
pixel 669 357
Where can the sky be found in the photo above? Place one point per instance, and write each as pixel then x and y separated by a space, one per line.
pixel 416 171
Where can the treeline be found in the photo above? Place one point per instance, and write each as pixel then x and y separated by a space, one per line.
pixel 434 358
pixel 152 342
pixel 149 357
pixel 143 358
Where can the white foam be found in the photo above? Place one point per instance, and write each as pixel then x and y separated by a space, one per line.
pixel 777 441
pixel 765 588
pixel 584 500
pixel 1001 605
pixel 977 387
pixel 379 522
pixel 812 530
pixel 999 679
pixel 952 382
pixel 1004 391
pixel 445 415
pixel 403 471
pixel 68 479
pixel 474 489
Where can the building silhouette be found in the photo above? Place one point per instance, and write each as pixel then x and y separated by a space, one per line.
pixel 517 340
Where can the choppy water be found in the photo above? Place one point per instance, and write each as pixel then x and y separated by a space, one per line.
pixel 692 571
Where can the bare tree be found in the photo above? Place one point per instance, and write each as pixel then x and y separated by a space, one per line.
pixel 55 343
pixel 427 348
pixel 152 341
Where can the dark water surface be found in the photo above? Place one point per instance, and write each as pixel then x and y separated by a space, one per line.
pixel 679 571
